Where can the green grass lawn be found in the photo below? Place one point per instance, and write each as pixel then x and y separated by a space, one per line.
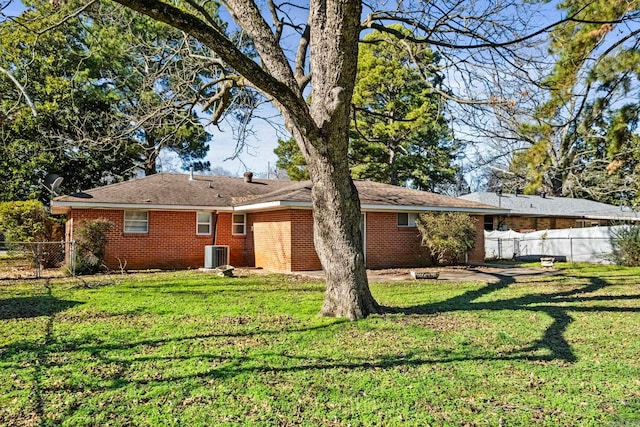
pixel 195 350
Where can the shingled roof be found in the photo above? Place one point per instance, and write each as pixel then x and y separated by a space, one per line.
pixel 373 196
pixel 169 191
pixel 538 206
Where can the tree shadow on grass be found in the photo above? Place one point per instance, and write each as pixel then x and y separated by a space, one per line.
pixel 555 305
pixel 33 306
pixel 125 367
pixel 46 306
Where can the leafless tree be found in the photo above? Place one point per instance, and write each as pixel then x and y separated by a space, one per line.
pixel 559 140
pixel 469 34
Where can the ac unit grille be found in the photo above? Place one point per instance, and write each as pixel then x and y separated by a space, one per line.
pixel 215 256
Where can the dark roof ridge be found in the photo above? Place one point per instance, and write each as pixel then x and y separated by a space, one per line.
pixel 155 176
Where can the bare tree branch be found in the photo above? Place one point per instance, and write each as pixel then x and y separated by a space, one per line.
pixel 22 90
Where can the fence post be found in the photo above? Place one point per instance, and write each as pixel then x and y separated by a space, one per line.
pixel 38 258
pixel 72 257
pixel 571 249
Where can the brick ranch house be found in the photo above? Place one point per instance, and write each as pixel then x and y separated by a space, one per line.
pixel 542 212
pixel 166 220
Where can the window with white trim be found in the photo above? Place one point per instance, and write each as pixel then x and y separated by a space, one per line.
pixel 580 223
pixel 239 224
pixel 406 219
pixel 136 221
pixel 203 223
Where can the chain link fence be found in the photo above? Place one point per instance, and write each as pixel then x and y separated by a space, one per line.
pixel 36 259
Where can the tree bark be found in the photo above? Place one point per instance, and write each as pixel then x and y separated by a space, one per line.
pixel 335 30
pixel 150 157
pixel 338 241
pixel 320 129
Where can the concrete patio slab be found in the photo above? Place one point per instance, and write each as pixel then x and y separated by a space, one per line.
pixel 480 273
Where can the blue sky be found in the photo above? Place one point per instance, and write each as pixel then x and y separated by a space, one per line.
pixel 11 7
pixel 258 152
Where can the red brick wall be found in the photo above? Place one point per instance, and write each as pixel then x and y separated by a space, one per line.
pixel 391 246
pixel 276 240
pixel 240 246
pixel 542 223
pixel 476 255
pixel 303 251
pixel 283 240
pixel 171 241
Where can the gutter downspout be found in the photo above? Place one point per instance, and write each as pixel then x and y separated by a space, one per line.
pixel 215 227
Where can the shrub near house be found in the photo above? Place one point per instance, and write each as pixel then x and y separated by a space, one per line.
pixel 447 235
pixel 91 243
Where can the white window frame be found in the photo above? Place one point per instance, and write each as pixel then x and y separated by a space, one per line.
pixel 411 219
pixel 128 222
pixel 585 223
pixel 207 223
pixel 243 224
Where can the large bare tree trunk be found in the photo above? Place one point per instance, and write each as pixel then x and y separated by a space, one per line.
pixel 338 241
pixel 321 129
pixel 337 236
pixel 335 28
pixel 334 34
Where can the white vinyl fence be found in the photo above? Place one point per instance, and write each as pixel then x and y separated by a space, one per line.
pixel 589 244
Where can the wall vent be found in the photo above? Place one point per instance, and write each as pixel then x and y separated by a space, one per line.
pixel 216 256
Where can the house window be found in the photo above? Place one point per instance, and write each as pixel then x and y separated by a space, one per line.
pixel 488 222
pixel 136 221
pixel 203 223
pixel 407 219
pixel 239 224
pixel 580 223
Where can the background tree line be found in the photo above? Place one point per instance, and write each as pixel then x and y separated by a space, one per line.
pixel 577 136
pixel 113 90
pixel 110 90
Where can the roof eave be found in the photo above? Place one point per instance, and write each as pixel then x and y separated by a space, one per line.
pixel 613 217
pixel 273 205
pixel 576 215
pixel 60 207
pixel 426 208
pixel 59 210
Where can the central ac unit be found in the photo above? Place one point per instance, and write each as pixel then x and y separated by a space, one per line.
pixel 215 256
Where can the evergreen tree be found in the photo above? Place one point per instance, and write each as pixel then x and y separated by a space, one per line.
pixel 399 134
pixel 111 90
pixel 291 160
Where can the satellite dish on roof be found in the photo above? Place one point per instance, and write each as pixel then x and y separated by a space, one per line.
pixel 52 182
